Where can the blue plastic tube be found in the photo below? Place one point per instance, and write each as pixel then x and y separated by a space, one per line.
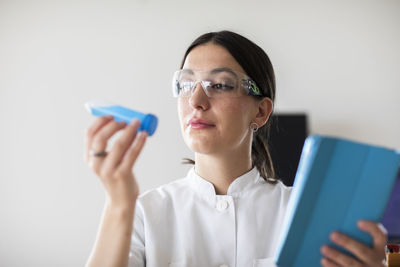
pixel 148 122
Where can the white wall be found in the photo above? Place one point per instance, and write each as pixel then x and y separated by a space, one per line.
pixel 339 61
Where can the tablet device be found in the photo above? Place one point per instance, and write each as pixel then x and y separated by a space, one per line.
pixel 337 183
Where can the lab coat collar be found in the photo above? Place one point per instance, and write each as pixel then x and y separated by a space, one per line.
pixel 237 187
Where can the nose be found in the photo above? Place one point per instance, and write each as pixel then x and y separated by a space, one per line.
pixel 199 99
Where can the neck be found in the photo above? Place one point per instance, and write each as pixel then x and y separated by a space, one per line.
pixel 222 170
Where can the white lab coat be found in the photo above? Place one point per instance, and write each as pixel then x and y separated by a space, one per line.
pixel 184 223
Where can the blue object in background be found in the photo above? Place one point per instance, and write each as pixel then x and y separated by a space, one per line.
pixel 338 182
pixel 148 122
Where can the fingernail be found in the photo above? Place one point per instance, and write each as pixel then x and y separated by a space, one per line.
pixel 335 236
pixel 134 121
pixel 383 229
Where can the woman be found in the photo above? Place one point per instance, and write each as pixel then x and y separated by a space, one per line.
pixel 229 209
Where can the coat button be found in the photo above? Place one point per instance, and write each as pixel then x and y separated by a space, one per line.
pixel 222 205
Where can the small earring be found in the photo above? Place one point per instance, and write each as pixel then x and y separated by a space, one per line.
pixel 255 129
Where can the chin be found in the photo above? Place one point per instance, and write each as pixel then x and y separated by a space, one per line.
pixel 201 146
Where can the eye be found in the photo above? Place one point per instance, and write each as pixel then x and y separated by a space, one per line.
pixel 222 87
pixel 222 83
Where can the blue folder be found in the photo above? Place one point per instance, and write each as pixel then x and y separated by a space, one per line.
pixel 337 183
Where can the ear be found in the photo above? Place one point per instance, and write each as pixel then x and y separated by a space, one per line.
pixel 265 107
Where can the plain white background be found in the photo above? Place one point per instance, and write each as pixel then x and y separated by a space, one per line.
pixel 338 61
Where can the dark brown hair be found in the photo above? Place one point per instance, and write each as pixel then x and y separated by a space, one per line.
pixel 258 67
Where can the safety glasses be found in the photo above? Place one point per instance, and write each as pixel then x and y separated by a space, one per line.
pixel 220 82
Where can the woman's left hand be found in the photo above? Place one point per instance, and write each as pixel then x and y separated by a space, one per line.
pixel 366 256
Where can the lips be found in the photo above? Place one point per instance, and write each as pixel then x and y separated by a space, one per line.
pixel 197 123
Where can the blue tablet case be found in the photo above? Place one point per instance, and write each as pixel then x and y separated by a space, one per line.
pixel 338 182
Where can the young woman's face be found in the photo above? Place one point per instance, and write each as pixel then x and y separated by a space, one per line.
pixel 215 125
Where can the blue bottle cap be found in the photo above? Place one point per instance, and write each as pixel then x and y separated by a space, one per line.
pixel 149 124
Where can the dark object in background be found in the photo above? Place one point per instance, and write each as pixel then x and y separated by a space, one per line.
pixel 287 136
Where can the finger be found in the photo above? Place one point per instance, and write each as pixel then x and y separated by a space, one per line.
pixel 377 231
pixel 328 263
pixel 338 257
pixel 122 145
pixel 92 130
pixel 100 140
pixel 134 151
pixel 358 249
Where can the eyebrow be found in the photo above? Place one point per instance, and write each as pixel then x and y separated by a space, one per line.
pixel 218 70
pixel 213 71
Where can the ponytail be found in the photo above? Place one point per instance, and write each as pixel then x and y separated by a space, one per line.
pixel 260 155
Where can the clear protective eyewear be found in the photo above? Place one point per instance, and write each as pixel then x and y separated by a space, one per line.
pixel 220 82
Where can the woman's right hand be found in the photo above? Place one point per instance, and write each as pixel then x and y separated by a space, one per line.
pixel 115 170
